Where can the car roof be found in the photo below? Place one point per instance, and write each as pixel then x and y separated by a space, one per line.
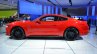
pixel 55 15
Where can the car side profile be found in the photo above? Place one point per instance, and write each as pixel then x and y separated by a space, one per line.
pixel 48 25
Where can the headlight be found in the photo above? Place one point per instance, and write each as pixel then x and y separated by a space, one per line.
pixel 7 26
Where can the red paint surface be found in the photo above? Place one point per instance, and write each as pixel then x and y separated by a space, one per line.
pixel 44 28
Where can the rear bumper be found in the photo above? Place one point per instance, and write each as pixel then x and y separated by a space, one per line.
pixel 84 32
pixel 84 29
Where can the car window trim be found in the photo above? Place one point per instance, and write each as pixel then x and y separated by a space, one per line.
pixel 53 16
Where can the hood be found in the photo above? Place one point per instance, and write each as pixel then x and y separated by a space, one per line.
pixel 19 22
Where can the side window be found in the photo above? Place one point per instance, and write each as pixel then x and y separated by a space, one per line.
pixel 49 18
pixel 62 19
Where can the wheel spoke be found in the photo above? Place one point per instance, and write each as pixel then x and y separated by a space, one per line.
pixel 71 34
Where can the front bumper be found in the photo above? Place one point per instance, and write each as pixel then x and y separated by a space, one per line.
pixel 8 30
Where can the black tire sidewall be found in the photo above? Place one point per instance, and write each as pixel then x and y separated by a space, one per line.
pixel 20 30
pixel 74 37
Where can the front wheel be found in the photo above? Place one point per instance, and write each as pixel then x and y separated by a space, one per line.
pixel 17 33
pixel 71 34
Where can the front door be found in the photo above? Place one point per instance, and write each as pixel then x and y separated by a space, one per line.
pixel 46 26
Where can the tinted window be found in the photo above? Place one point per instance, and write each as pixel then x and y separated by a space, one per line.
pixel 49 18
pixel 52 18
pixel 61 19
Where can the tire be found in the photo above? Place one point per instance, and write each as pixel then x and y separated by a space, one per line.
pixel 17 33
pixel 71 34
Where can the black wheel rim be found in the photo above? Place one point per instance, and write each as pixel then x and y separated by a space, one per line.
pixel 17 33
pixel 71 34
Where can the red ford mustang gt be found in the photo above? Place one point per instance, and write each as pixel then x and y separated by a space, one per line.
pixel 48 25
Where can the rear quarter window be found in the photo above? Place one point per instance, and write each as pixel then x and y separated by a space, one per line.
pixel 62 19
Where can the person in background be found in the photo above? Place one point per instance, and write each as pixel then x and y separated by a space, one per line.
pixel 89 22
pixel 96 27
pixel 3 19
pixel 96 30
pixel 0 22
pixel 24 17
pixel 68 15
pixel 11 19
pixel 28 17
pixel 79 18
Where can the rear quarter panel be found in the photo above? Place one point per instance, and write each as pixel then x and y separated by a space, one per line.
pixel 73 23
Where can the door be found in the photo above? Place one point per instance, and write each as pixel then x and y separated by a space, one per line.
pixel 46 26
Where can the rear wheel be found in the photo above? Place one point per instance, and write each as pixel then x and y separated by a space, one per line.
pixel 17 33
pixel 71 34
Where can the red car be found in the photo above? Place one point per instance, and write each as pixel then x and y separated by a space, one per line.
pixel 48 25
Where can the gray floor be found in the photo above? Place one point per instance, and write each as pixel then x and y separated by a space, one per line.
pixel 87 45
